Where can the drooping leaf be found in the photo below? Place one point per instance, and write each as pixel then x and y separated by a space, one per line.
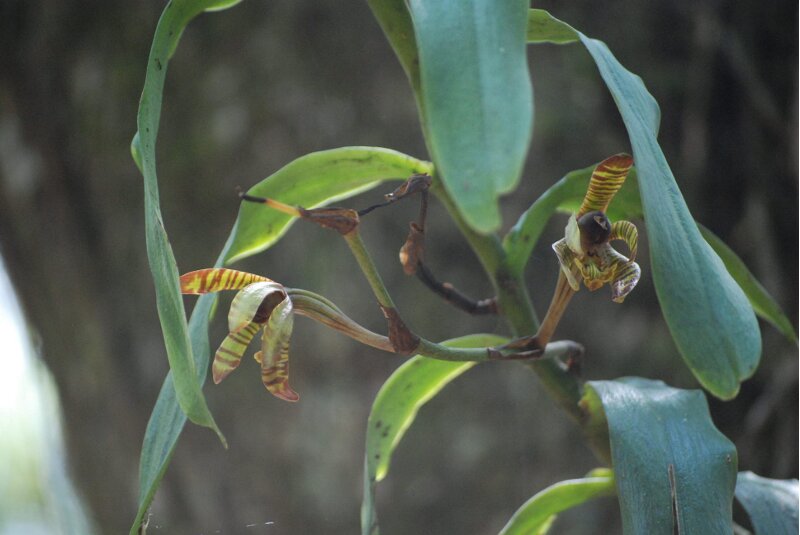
pixel 174 19
pixel 411 386
pixel 536 515
pixel 477 97
pixel 770 503
pixel 669 459
pixel 312 180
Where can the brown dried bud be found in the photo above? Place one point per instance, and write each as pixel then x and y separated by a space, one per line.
pixel 414 184
pixel 403 340
pixel 413 249
pixel 342 220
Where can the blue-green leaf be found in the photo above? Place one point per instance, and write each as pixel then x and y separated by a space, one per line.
pixel 477 97
pixel 311 180
pixel 536 515
pixel 770 503
pixel 708 315
pixel 670 462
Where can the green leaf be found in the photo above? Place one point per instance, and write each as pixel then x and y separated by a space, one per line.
pixel 536 515
pixel 167 419
pixel 669 459
pixel 770 503
pixel 477 97
pixel 763 303
pixel 395 21
pixel 708 315
pixel 175 17
pixel 412 385
pixel 311 180
pixel 544 28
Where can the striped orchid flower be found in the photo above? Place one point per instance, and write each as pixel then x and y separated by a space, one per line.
pixel 585 253
pixel 260 304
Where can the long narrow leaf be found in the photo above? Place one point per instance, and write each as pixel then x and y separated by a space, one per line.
pixel 174 19
pixel 670 462
pixel 536 515
pixel 411 386
pixel 476 93
pixel 770 503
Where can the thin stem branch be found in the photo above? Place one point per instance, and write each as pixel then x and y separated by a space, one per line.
pixel 367 266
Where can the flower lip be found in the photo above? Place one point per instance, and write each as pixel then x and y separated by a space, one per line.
pixel 595 229
pixel 267 306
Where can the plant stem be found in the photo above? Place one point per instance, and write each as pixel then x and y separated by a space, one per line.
pixel 367 266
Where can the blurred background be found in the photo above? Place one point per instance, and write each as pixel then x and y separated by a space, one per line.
pixel 254 87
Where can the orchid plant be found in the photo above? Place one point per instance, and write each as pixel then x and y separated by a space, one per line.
pixel 466 62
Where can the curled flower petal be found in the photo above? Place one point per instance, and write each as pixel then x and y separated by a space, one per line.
pixel 254 303
pixel 230 352
pixel 627 276
pixel 216 279
pixel 572 236
pixel 274 354
pixel 627 232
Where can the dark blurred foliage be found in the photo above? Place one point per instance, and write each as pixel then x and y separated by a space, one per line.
pixel 254 87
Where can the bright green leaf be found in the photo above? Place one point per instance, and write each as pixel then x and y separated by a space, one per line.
pixel 770 503
pixel 536 515
pixel 412 385
pixel 544 28
pixel 176 16
pixel 669 459
pixel 477 96
pixel 311 180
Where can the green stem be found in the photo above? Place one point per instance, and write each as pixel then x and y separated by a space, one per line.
pixel 367 266
pixel 515 305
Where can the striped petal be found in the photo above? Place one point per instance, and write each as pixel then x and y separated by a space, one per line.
pixel 274 354
pixel 607 178
pixel 254 303
pixel 231 350
pixel 627 232
pixel 217 279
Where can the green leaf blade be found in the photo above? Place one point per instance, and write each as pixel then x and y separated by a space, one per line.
pixel 310 181
pixel 667 455
pixel 708 315
pixel 535 515
pixel 163 267
pixel 545 28
pixel 412 385
pixel 477 97
pixel 770 503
